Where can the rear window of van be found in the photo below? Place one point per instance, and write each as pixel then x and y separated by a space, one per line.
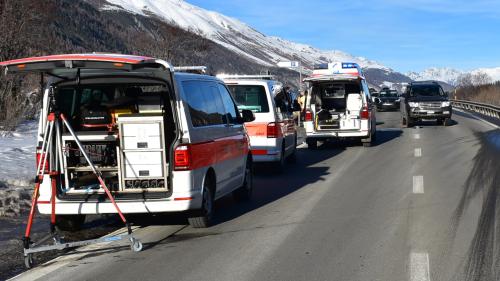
pixel 251 97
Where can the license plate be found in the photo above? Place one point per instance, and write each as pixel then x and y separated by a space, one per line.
pixel 430 112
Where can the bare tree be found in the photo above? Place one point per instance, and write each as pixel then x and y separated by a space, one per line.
pixel 481 78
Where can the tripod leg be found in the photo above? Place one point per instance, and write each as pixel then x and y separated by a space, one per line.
pixel 53 179
pixel 34 202
pixel 38 179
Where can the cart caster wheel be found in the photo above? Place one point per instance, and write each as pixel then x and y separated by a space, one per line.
pixel 29 261
pixel 136 246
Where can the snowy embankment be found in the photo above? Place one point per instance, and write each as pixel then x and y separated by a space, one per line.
pixel 17 168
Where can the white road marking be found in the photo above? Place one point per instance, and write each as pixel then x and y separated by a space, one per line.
pixel 416 136
pixel 418 152
pixel 419 267
pixel 418 184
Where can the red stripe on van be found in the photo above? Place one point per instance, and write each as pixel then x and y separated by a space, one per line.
pixel 255 129
pixel 208 153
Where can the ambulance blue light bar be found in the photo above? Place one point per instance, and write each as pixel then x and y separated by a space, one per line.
pixel 349 65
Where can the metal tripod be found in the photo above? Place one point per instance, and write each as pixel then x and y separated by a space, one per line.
pixel 53 154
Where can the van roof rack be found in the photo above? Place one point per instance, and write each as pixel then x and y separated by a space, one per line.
pixel 192 69
pixel 250 77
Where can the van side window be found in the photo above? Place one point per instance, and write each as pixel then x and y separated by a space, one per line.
pixel 229 104
pixel 204 108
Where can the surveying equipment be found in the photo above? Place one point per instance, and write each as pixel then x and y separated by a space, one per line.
pixel 51 162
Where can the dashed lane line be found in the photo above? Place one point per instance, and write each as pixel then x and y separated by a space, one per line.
pixel 418 184
pixel 419 267
pixel 418 152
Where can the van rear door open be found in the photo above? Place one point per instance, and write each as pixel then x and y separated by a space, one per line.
pixel 70 66
pixel 337 105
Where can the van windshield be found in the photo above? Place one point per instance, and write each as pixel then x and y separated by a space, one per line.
pixel 250 97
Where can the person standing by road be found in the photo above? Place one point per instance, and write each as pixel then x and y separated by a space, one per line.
pixel 302 100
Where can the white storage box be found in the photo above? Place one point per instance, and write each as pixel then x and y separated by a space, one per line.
pixel 142 153
pixel 143 164
pixel 141 136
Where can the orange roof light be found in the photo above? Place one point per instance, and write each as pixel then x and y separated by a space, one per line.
pixel 21 66
pixel 117 64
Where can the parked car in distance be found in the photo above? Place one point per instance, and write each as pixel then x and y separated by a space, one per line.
pixel 387 100
pixel 425 100
pixel 164 141
pixel 273 133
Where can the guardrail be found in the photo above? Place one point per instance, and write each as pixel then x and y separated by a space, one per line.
pixel 482 108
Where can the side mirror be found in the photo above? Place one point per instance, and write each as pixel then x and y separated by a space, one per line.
pixel 247 115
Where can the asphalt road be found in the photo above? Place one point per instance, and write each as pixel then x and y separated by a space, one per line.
pixel 422 204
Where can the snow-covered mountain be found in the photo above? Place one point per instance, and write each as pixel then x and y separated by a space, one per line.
pixel 267 50
pixel 493 73
pixel 448 75
pixel 452 76
pixel 234 34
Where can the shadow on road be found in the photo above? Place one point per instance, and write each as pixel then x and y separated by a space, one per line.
pixel 385 136
pixel 483 257
pixel 269 186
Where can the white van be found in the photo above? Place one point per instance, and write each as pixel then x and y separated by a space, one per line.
pixel 273 134
pixel 163 141
pixel 339 105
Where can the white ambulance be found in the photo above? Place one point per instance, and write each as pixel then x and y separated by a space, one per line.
pixel 339 105
pixel 273 134
pixel 163 141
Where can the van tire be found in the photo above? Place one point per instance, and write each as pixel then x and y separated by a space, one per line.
pixel 410 122
pixel 70 222
pixel 312 143
pixel 207 205
pixel 279 166
pixel 244 192
pixel 446 122
pixel 292 158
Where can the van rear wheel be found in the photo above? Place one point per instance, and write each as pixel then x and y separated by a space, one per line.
pixel 292 158
pixel 207 206
pixel 244 193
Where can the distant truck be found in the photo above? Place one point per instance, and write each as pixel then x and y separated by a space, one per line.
pixel 339 105
pixel 425 100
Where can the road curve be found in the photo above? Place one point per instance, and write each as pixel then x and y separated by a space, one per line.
pixel 420 205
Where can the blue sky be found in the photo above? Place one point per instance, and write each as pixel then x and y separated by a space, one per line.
pixel 402 34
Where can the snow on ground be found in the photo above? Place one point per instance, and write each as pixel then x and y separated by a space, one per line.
pixel 17 154
pixel 17 168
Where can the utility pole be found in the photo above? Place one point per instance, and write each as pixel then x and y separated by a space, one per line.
pixel 300 77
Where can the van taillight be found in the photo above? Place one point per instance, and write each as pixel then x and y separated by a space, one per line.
pixel 365 113
pixel 308 116
pixel 182 158
pixel 47 168
pixel 273 130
